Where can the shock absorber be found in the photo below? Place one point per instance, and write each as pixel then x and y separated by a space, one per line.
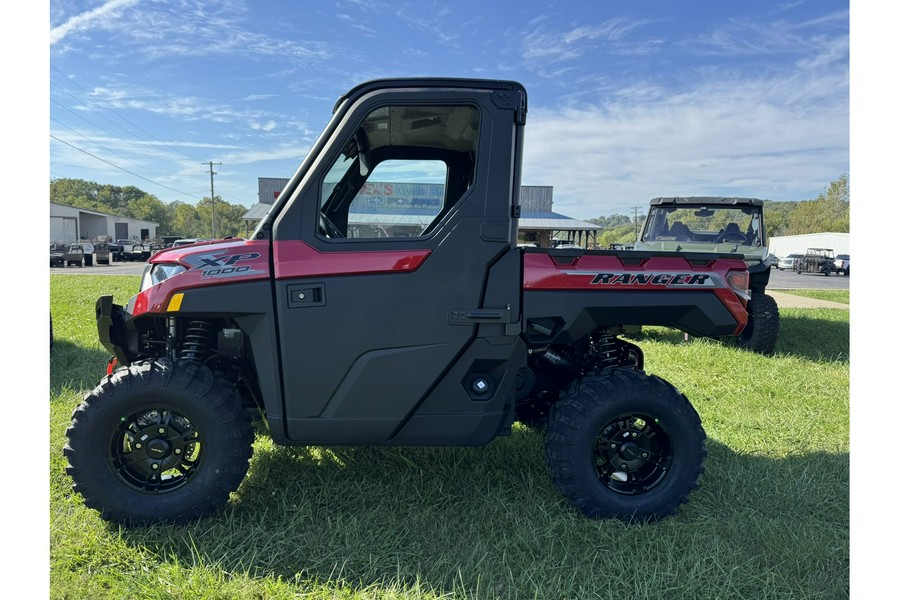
pixel 606 351
pixel 197 345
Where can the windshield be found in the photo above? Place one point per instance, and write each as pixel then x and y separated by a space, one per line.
pixel 705 224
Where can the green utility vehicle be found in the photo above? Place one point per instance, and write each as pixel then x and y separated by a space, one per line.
pixel 721 225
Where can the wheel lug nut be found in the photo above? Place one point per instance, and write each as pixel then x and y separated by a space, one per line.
pixel 177 450
pixel 138 445
pixel 644 455
pixel 161 430
pixel 612 446
pixel 624 466
pixel 154 466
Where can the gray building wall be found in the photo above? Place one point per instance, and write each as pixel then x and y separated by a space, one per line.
pixel 536 198
pixel 270 188
pixel 90 225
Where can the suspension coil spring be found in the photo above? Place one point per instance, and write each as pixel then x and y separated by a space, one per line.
pixel 197 344
pixel 607 351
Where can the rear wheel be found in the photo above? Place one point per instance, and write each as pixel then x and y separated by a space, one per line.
pixel 763 322
pixel 625 445
pixel 159 442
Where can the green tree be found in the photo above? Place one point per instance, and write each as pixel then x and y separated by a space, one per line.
pixel 228 218
pixel 76 192
pixel 829 212
pixel 624 234
pixel 184 220
pixel 150 208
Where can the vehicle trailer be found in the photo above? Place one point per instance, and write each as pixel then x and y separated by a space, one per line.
pixel 383 301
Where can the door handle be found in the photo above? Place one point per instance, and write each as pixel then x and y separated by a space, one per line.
pixel 468 316
pixel 306 295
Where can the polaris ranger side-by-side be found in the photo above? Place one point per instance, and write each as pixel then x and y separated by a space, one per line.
pixel 383 301
pixel 727 225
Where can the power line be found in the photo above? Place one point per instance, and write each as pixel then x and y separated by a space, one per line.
pixel 105 148
pixel 176 157
pixel 120 168
pixel 113 111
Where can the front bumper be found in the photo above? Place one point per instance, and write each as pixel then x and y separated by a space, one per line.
pixel 115 330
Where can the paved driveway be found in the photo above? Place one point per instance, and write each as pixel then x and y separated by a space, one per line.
pixel 789 280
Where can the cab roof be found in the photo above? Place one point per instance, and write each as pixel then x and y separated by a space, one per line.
pixel 706 200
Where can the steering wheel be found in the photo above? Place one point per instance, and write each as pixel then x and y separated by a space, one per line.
pixel 732 236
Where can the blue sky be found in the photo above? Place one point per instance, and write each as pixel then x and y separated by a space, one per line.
pixel 628 100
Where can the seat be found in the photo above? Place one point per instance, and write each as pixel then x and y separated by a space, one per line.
pixel 680 231
pixel 731 233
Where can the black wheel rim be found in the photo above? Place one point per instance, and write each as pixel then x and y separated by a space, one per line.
pixel 155 451
pixel 633 454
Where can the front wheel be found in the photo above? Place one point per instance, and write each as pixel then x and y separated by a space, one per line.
pixel 625 445
pixel 159 442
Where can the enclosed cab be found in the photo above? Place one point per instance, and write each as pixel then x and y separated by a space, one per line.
pixel 383 301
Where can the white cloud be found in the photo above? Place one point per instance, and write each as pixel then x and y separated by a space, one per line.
pixel 98 17
pixel 550 45
pixel 783 139
pixel 267 126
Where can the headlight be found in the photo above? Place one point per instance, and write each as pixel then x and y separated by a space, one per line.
pixel 157 273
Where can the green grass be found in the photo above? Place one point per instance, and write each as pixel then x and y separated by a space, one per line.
pixel 842 296
pixel 770 519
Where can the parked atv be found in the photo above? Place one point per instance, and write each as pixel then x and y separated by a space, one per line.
pixel 721 225
pixel 816 260
pixel 411 320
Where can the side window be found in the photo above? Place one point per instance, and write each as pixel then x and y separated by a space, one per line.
pixel 401 173
pixel 401 198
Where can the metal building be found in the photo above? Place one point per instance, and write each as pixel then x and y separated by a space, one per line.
pixel 797 244
pixel 70 224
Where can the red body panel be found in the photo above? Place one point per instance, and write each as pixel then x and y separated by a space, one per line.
pixel 208 264
pixel 607 273
pixel 228 262
pixel 299 259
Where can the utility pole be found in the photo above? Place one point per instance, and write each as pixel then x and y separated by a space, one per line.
pixel 212 196
pixel 635 209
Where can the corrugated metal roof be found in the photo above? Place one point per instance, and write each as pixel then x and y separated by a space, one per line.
pixel 256 212
pixel 554 221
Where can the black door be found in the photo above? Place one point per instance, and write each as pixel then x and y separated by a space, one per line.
pixel 383 260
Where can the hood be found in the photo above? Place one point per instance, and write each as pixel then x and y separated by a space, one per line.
pixel 181 253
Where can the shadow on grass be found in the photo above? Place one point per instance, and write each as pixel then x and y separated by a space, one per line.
pixel 806 336
pixel 75 367
pixel 487 522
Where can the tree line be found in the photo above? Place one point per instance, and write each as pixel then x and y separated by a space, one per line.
pixel 172 218
pixel 829 211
